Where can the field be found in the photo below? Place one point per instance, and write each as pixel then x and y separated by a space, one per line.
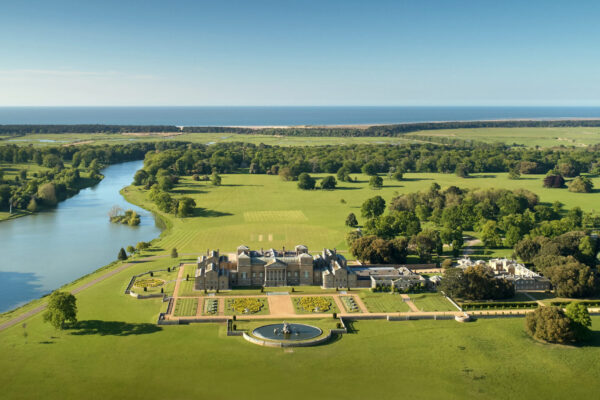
pixel 543 137
pixel 262 211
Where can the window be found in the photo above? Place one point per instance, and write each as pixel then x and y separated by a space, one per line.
pixel 260 274
pixel 243 275
pixel 254 274
pixel 289 274
pixel 306 274
pixel 296 274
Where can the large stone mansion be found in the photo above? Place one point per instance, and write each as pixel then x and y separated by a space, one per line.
pixel 272 267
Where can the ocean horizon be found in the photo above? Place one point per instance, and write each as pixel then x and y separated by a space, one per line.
pixel 282 115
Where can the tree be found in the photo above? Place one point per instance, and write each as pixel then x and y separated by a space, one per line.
pixel 32 206
pixel 130 249
pixel 343 174
pixel 306 182
pixel 454 283
pixel 122 255
pixel 140 177
pixel 286 174
pixel 550 324
pixel 373 207
pixel 514 173
pixel 554 181
pixel 572 279
pixel 426 243
pixel 61 309
pixel 142 246
pixel 580 320
pixel 328 183
pixel 370 168
pixel 174 253
pixel 527 249
pixel 376 182
pixel 490 235
pixel 47 194
pixel 185 207
pixel 352 236
pixel 215 179
pixel 351 220
pixel 581 184
pixel 462 171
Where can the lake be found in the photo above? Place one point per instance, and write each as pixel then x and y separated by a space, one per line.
pixel 41 252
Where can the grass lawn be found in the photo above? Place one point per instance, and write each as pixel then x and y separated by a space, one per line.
pixel 238 305
pixel 438 359
pixel 308 305
pixel 237 213
pixel 383 302
pixel 186 307
pixel 432 302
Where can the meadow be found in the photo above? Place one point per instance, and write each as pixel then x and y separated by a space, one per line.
pixel 543 137
pixel 531 137
pixel 262 211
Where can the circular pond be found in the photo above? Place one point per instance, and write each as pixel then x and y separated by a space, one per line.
pixel 287 332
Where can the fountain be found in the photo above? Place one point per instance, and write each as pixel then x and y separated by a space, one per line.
pixel 287 332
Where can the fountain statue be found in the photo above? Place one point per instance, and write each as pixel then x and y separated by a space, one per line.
pixel 286 330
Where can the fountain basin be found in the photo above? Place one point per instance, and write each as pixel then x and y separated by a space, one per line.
pixel 298 332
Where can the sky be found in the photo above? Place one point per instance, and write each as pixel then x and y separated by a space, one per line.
pixel 126 53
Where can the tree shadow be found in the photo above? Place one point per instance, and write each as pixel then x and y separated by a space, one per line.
pixel 188 191
pixel 114 328
pixel 416 179
pixel 346 188
pixel 203 212
pixel 485 176
pixel 236 185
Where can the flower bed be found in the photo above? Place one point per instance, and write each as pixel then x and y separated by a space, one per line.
pixel 314 304
pixel 350 303
pixel 246 305
pixel 148 282
pixel 211 306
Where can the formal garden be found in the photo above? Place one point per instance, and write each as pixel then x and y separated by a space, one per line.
pixel 246 306
pixel 155 282
pixel 314 304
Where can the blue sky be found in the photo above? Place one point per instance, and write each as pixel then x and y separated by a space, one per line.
pixel 299 52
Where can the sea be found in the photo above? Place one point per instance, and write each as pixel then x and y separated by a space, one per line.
pixel 280 116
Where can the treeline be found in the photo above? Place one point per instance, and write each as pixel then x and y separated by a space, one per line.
pixel 369 159
pixel 68 169
pixel 17 130
pixel 332 131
